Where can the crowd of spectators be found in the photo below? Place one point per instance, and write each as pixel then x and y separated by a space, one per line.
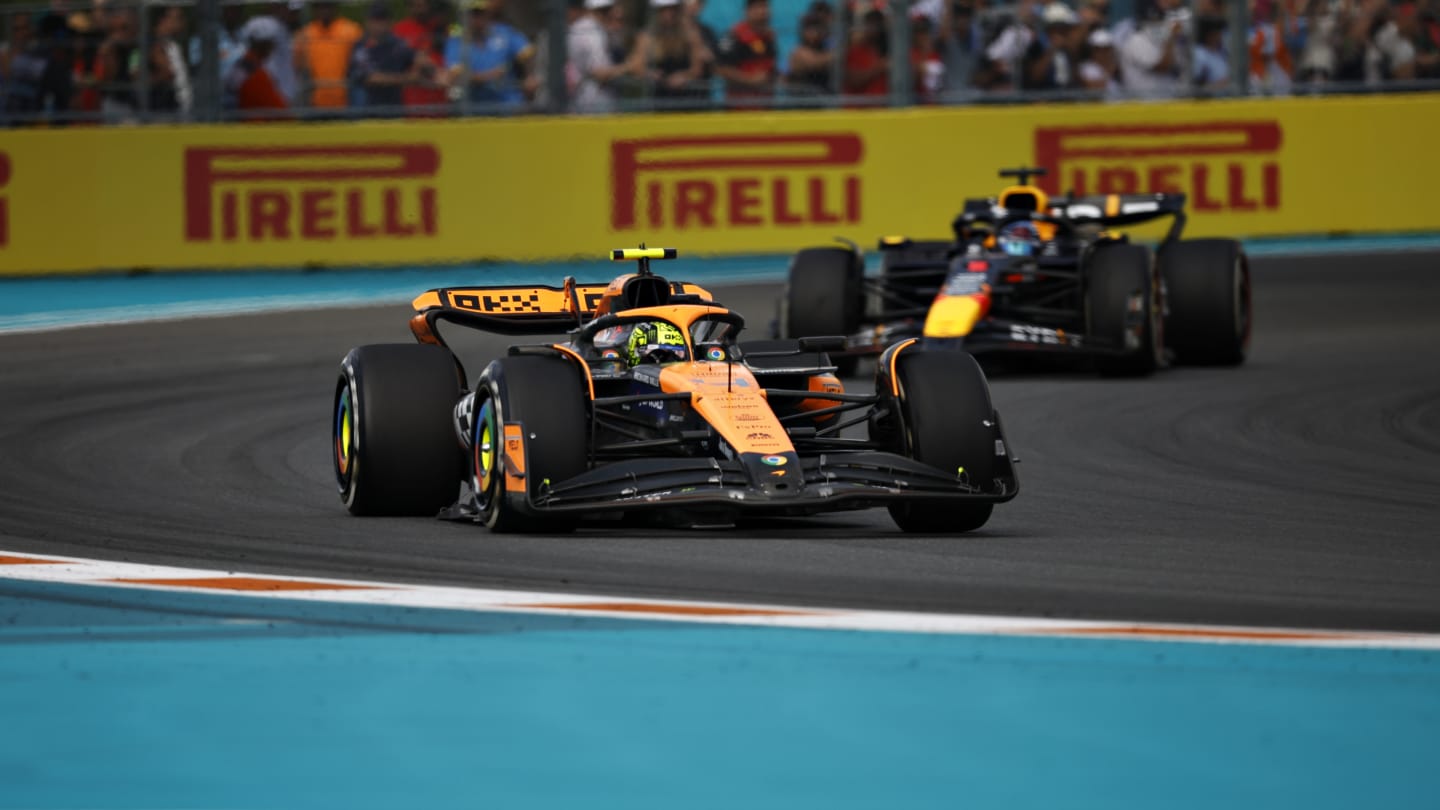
pixel 270 61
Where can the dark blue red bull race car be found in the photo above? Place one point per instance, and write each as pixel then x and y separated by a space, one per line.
pixel 1026 273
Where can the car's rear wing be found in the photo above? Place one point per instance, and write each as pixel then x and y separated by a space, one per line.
pixel 1105 210
pixel 512 310
pixel 1119 209
pixel 540 309
pixel 522 309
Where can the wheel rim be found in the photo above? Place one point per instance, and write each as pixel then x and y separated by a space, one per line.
pixel 344 438
pixel 487 454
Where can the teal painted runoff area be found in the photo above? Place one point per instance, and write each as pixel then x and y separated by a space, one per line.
pixel 124 698
pixel 57 302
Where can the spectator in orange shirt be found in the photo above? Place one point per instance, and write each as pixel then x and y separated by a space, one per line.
pixel 1270 65
pixel 249 83
pixel 322 52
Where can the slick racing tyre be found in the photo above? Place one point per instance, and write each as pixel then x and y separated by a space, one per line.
pixel 394 450
pixel 1207 291
pixel 824 297
pixel 944 403
pixel 1122 303
pixel 546 396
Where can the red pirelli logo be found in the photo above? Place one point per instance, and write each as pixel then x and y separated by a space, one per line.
pixel 782 180
pixel 311 192
pixel 1223 166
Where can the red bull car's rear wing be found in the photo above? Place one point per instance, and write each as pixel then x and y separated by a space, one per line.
pixel 1105 210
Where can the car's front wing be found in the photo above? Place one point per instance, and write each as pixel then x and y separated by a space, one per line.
pixel 832 481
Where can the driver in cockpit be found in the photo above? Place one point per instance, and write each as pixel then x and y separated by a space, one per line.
pixel 656 342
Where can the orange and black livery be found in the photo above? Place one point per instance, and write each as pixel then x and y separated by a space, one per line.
pixel 647 400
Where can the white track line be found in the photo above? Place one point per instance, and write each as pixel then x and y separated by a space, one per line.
pixel 30 323
pixel 70 570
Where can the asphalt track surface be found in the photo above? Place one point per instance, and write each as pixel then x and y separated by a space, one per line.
pixel 1302 489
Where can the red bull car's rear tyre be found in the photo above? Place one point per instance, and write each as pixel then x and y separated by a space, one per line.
pixel 1207 285
pixel 1122 304
pixel 945 406
pixel 824 297
pixel 547 398
pixel 395 451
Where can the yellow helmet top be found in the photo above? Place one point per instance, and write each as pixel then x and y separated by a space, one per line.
pixel 652 335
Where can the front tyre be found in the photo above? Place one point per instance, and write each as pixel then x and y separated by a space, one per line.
pixel 394 448
pixel 546 397
pixel 946 418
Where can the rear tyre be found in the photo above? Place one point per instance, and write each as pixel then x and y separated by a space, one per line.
pixel 824 297
pixel 944 404
pixel 546 395
pixel 1207 287
pixel 1122 303
pixel 395 451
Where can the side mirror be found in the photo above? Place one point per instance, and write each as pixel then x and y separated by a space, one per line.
pixel 822 344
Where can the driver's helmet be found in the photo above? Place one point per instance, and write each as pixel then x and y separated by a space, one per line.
pixel 656 342
pixel 1018 239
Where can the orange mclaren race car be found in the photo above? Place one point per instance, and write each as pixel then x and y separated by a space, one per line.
pixel 1028 273
pixel 652 406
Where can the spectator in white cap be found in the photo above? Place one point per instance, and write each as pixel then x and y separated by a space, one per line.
pixel 1050 62
pixel 588 68
pixel 618 36
pixel 280 64
pixel 249 87
pixel 1101 70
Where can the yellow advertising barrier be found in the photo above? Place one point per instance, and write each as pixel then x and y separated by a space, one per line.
pixel 530 189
